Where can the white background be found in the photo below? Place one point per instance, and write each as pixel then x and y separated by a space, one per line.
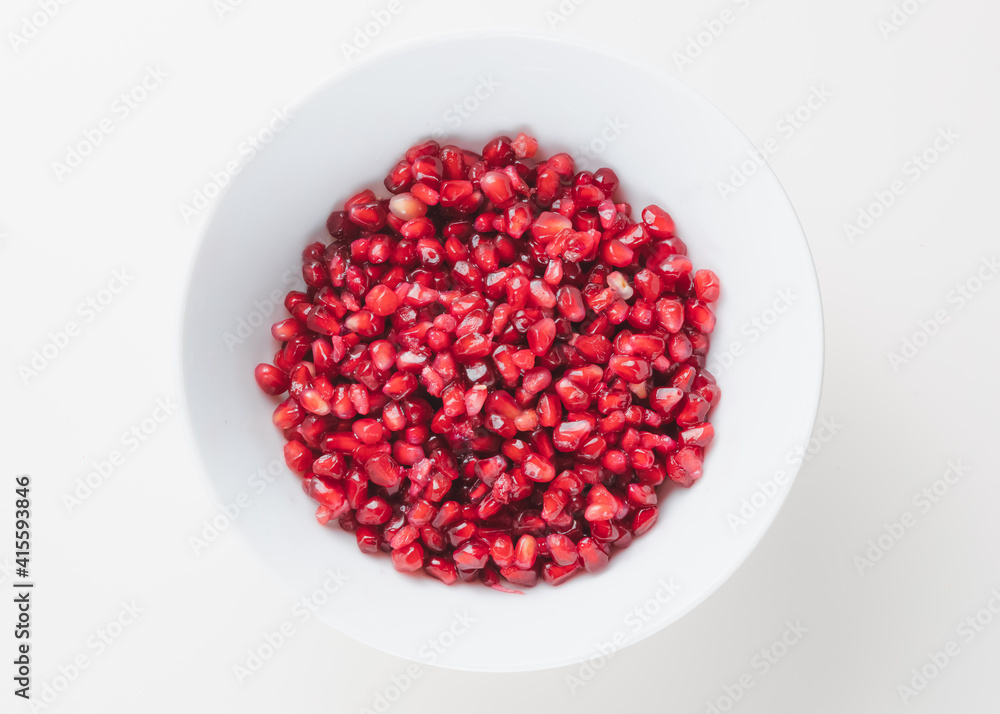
pixel 867 627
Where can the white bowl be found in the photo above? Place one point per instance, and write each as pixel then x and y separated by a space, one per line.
pixel 669 146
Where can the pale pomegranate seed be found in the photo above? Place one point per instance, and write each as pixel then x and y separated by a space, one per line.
pixel 525 552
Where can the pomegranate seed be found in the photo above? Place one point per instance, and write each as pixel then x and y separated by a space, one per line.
pixel 408 558
pixel 706 285
pixel 630 369
pixel 288 414
pixel 541 335
pixel 524 578
pixel 368 431
pixel 538 468
pixel 524 146
pixel 381 300
pixel 383 471
pixel 700 316
pixel 471 555
pixel 525 552
pixel 442 569
pixel 374 511
pixel 498 152
pixel 562 549
pixel 601 505
pixel 555 574
pixel 367 539
pixel 684 466
pixel 497 188
pixel 502 550
pixel 298 457
pixel 658 222
pixel 271 379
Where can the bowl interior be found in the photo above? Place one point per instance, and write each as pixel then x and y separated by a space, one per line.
pixel 668 146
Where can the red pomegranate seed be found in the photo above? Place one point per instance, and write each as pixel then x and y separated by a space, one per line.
pixel 706 285
pixel 631 369
pixel 593 554
pixel 374 511
pixel 502 550
pixel 367 539
pixel 684 466
pixel 525 552
pixel 555 574
pixel 298 456
pixel 368 431
pixel 658 222
pixel 497 188
pixel 601 504
pixel 538 468
pixel 442 569
pixel 643 520
pixel 288 414
pixel 700 316
pixel 562 549
pixel 408 558
pixel 312 401
pixel 471 555
pixel 541 335
pixel 524 146
pixel 498 152
pixel 524 578
pixel 271 379
pixel 383 471
pixel 381 300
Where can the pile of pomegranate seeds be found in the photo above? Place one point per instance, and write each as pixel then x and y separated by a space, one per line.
pixel 492 371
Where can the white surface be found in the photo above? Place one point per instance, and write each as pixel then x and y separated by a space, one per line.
pixel 753 242
pixel 898 428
